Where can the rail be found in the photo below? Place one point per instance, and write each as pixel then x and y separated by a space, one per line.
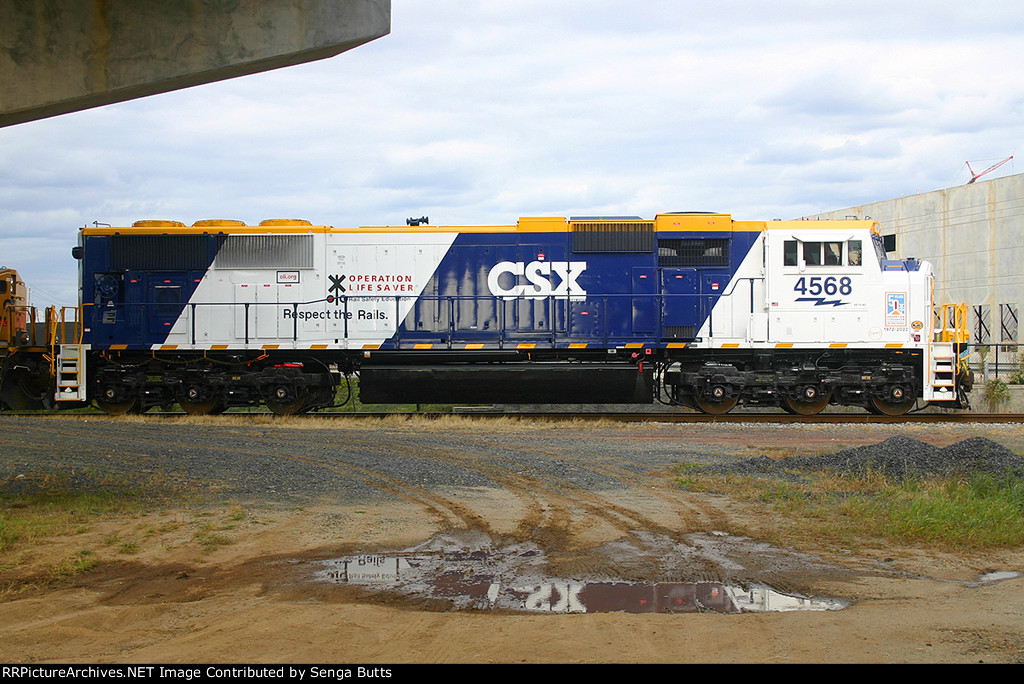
pixel 770 417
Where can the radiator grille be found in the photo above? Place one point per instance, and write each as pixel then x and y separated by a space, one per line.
pixel 693 252
pixel 609 236
pixel 159 252
pixel 266 251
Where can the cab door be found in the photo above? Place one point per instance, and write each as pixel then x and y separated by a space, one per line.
pixel 165 300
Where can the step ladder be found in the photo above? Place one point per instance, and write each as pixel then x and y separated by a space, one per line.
pixel 70 373
pixel 942 373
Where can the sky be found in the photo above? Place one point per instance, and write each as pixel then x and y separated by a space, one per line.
pixel 481 111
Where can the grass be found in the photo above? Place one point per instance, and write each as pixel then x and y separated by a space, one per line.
pixel 30 517
pixel 28 520
pixel 420 423
pixel 976 512
pixel 50 536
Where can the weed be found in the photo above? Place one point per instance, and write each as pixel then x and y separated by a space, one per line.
pixel 210 540
pixel 73 565
pixel 997 393
pixel 129 547
pixel 978 511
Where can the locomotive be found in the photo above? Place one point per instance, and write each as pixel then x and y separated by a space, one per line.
pixel 692 309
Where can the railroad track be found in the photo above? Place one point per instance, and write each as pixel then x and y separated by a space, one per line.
pixel 625 417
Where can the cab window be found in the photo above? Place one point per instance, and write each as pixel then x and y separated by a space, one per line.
pixel 790 253
pixel 821 253
pixel 812 253
pixel 854 252
pixel 833 253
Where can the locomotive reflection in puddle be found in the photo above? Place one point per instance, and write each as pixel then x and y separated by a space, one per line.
pixel 487 580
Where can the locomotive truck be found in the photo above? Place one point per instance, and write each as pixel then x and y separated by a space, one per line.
pixel 693 309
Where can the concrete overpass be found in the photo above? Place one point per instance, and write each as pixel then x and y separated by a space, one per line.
pixel 59 56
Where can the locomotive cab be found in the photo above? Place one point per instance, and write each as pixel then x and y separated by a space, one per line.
pixel 817 314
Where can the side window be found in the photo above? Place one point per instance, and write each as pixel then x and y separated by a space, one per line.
pixel 789 253
pixel 822 253
pixel 833 253
pixel 812 253
pixel 853 252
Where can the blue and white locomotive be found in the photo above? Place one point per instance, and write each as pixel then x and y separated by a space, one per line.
pixel 688 308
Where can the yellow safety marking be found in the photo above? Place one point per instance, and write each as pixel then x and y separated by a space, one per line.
pixel 119 346
pixel 371 346
pixel 837 345
pixel 474 346
pixel 731 345
pixel 894 345
pixel 676 345
pixel 422 346
pixel 271 346
pixel 168 346
pixel 577 345
pixel 318 346
pixel 635 345
pixel 219 346
pixel 526 345
pixel 783 345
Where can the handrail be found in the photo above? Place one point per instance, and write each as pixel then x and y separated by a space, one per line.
pixel 951 323
pixel 554 312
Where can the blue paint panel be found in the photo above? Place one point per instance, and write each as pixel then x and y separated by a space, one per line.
pixel 629 298
pixel 137 306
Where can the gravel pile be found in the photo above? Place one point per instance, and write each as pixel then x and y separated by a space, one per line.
pixel 896 458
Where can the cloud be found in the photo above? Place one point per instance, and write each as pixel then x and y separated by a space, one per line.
pixel 479 112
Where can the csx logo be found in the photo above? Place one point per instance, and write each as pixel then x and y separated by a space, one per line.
pixel 543 279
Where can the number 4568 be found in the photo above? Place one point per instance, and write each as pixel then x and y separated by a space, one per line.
pixel 830 285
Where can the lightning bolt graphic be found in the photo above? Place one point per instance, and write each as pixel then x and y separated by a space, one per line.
pixel 821 301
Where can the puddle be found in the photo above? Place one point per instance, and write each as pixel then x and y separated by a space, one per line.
pixel 993 577
pixel 476 576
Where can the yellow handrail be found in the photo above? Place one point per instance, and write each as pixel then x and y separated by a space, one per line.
pixel 951 323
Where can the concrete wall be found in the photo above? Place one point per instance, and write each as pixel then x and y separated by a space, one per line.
pixel 974 236
pixel 58 56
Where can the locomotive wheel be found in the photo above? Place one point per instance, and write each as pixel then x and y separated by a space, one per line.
pixel 715 401
pixel 114 403
pixel 811 402
pixel 286 408
pixel 285 402
pixel 116 408
pixel 896 403
pixel 891 408
pixel 197 401
pixel 715 408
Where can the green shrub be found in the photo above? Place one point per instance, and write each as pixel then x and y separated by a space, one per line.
pixel 997 393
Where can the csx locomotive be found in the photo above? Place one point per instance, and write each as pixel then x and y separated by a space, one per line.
pixel 694 309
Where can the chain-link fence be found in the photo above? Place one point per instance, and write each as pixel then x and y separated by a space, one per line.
pixel 998 377
pixel 997 361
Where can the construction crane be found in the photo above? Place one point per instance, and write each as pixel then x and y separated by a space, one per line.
pixel 976 176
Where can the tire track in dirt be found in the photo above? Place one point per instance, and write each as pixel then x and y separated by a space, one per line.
pixel 556 495
pixel 547 500
pixel 537 512
pixel 691 513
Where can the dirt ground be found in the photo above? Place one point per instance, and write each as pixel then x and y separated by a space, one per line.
pixel 235 581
